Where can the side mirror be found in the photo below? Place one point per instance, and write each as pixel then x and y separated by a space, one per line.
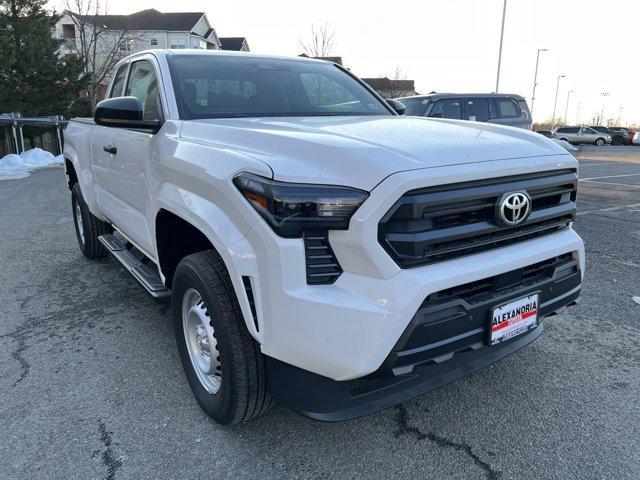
pixel 124 112
pixel 397 106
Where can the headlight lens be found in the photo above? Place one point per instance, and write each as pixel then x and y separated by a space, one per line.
pixel 290 208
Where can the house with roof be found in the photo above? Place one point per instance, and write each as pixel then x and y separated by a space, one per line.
pixel 147 29
pixel 122 35
pixel 236 44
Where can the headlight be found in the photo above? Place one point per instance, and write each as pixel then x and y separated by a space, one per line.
pixel 290 208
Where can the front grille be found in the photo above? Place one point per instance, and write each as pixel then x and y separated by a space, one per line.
pixel 456 319
pixel 440 223
pixel 322 265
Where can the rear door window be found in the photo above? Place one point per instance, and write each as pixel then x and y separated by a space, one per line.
pixel 507 108
pixel 447 108
pixel 476 109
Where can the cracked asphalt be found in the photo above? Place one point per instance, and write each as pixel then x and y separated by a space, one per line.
pixel 91 385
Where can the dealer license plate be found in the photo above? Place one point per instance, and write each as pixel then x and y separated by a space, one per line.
pixel 514 318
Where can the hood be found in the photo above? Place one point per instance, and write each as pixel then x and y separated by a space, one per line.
pixel 362 151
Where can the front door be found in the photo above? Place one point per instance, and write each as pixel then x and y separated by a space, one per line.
pixel 127 166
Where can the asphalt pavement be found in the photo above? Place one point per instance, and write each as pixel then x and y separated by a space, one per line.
pixel 91 384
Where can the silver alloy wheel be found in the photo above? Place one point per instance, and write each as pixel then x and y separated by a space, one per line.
pixel 79 223
pixel 201 341
pixel 599 142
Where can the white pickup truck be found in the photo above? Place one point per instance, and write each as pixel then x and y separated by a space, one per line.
pixel 317 247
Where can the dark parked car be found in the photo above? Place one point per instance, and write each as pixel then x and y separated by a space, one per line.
pixel 546 133
pixel 618 137
pixel 505 109
pixel 628 134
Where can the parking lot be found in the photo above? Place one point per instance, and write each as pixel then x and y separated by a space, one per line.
pixel 91 385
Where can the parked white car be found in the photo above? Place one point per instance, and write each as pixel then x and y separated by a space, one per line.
pixel 317 247
pixel 636 139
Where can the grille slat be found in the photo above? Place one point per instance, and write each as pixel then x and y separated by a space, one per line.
pixel 322 265
pixel 445 222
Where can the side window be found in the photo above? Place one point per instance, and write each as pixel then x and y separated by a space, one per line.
pixel 476 109
pixel 118 82
pixel 414 106
pixel 572 130
pixel 143 84
pixel 447 108
pixel 508 108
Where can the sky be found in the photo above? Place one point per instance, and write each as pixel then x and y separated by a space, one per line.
pixel 452 45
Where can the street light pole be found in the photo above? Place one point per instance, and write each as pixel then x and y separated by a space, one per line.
pixel 504 12
pixel 566 108
pixel 555 102
pixel 535 80
pixel 578 111
pixel 604 94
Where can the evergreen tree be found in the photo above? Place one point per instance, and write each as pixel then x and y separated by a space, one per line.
pixel 35 78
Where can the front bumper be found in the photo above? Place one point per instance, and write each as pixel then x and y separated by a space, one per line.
pixel 346 330
pixel 411 370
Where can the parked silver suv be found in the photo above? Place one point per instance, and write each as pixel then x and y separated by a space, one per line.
pixel 582 135
pixel 505 109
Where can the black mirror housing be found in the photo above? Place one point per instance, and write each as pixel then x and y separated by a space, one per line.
pixel 124 112
pixel 397 106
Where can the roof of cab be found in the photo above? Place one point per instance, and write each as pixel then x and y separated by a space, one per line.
pixel 221 53
pixel 467 95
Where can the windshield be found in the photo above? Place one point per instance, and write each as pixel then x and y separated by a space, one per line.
pixel 211 86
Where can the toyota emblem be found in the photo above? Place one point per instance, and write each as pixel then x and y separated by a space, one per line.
pixel 513 208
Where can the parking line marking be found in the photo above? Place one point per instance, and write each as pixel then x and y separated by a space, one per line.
pixel 610 176
pixel 612 183
pixel 610 209
pixel 596 163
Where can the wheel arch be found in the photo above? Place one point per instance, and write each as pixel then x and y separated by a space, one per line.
pixel 178 235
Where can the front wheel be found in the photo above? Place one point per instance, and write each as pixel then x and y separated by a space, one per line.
pixel 600 142
pixel 223 363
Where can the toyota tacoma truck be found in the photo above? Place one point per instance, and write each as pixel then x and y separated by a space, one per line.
pixel 317 247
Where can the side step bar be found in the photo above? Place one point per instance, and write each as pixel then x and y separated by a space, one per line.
pixel 146 277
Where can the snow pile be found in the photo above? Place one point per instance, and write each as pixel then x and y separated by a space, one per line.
pixel 15 166
pixel 566 145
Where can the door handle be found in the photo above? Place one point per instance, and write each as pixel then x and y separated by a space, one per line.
pixel 110 149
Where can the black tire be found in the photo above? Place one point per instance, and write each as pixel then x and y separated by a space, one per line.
pixel 564 139
pixel 90 226
pixel 617 141
pixel 242 393
pixel 600 142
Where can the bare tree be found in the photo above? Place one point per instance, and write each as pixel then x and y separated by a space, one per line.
pixel 596 119
pixel 100 47
pixel 396 85
pixel 320 44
